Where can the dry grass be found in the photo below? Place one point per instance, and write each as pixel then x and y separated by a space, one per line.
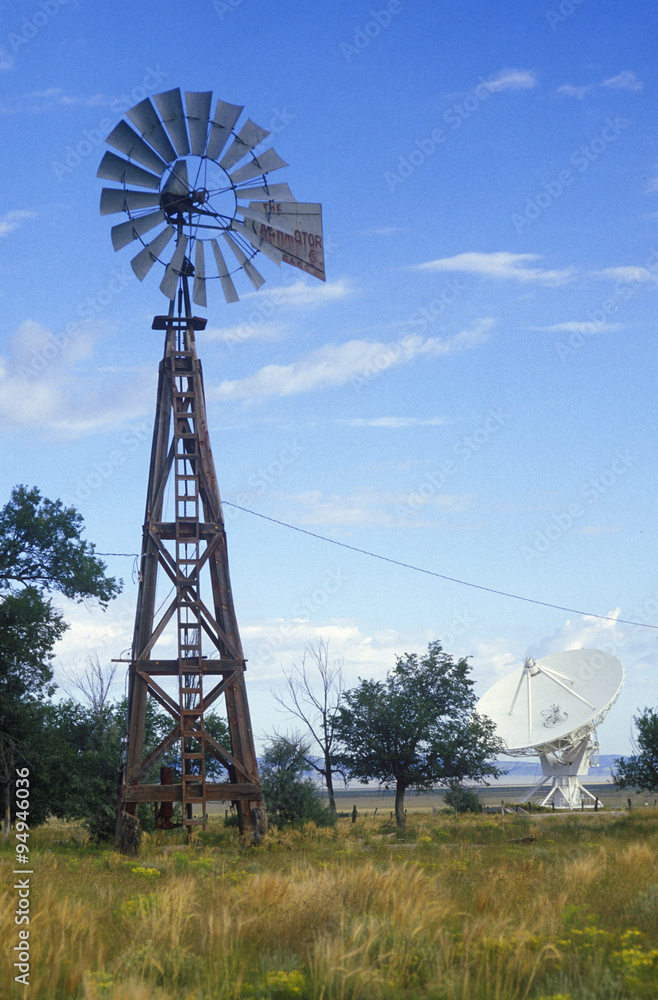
pixel 455 909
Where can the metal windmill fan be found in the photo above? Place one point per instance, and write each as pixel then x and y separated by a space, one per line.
pixel 182 180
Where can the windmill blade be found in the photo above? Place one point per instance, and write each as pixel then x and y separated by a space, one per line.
pixel 121 200
pixel 169 283
pixel 145 117
pixel 170 106
pixel 226 115
pixel 230 293
pixel 115 168
pixel 269 192
pixel 143 262
pixel 177 182
pixel 199 291
pixel 264 164
pixel 251 231
pixel 255 277
pixel 126 232
pixel 123 138
pixel 198 117
pixel 249 136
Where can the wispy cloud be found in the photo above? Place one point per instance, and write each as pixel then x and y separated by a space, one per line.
pixel 42 389
pixel 242 332
pixel 302 294
pixel 569 90
pixel 500 265
pixel 39 101
pixel 13 220
pixel 372 507
pixel 630 274
pixel 512 79
pixel 6 60
pixel 626 80
pixel 336 364
pixel 586 327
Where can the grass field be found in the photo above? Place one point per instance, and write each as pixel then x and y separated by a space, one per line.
pixel 490 907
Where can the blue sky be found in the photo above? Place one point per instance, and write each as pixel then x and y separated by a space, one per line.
pixel 470 392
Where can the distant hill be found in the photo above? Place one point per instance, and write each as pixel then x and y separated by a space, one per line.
pixel 530 767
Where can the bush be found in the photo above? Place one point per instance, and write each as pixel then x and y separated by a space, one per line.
pixel 289 796
pixel 462 799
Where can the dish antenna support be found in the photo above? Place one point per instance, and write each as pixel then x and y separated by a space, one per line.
pixel 551 709
pixel 182 177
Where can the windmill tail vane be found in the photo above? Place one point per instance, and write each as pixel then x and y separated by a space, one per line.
pixel 200 204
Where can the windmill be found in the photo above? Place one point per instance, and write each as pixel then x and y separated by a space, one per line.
pixel 199 203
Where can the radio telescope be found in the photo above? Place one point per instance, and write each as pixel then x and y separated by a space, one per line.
pixel 551 709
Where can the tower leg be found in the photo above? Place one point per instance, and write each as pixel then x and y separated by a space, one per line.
pixel 182 549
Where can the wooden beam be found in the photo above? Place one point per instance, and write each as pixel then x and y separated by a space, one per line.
pixel 215 792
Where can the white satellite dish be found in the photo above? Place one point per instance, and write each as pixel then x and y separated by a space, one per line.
pixel 551 709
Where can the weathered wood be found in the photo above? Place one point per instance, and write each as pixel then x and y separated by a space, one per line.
pixel 195 550
pixel 209 667
pixel 130 834
pixel 215 792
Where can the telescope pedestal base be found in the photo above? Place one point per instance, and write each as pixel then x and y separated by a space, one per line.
pixel 564 769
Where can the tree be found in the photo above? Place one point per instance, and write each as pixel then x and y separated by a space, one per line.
pixel 41 551
pixel 313 693
pixel 289 796
pixel 417 728
pixel 40 545
pixel 94 682
pixel 641 770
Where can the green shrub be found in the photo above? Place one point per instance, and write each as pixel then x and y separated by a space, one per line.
pixel 462 799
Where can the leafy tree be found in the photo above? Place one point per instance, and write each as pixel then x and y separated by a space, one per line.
pixel 313 694
pixel 40 545
pixel 41 551
pixel 462 799
pixel 417 728
pixel 641 770
pixel 289 796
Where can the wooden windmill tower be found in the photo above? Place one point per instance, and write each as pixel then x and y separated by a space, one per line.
pixel 180 175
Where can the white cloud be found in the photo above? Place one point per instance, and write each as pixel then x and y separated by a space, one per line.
pixel 92 630
pixel 372 507
pixel 501 265
pixel 626 80
pixel 569 90
pixel 302 294
pixel 585 632
pixel 231 336
pixel 6 60
pixel 631 275
pixel 493 659
pixel 512 79
pixel 39 101
pixel 41 388
pixel 336 364
pixel 587 327
pixel 12 220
